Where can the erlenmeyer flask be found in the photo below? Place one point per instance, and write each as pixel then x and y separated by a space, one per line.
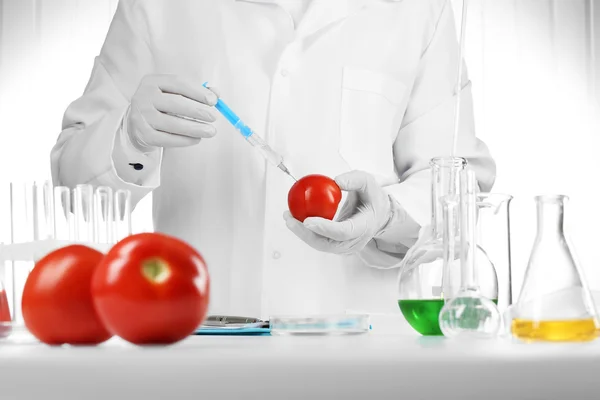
pixel 555 303
pixel 420 284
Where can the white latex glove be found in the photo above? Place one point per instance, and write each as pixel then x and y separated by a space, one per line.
pixel 418 255
pixel 170 111
pixel 363 216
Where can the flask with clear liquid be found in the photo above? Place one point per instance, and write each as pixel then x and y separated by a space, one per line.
pixel 555 304
pixel 493 226
pixel 469 312
pixel 421 291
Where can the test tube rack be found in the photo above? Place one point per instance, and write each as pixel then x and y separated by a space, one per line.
pixel 38 218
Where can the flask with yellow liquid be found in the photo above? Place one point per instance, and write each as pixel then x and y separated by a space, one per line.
pixel 555 304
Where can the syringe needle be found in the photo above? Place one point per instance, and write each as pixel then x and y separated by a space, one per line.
pixel 256 141
pixel 287 171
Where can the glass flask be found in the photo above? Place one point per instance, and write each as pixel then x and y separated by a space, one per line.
pixel 420 292
pixel 493 226
pixel 555 304
pixel 36 218
pixel 469 312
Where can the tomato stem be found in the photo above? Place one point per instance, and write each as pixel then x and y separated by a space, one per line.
pixel 155 270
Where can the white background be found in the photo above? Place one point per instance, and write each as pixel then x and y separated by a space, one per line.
pixel 535 65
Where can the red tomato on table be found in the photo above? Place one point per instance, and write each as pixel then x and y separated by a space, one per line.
pixel 314 196
pixel 57 301
pixel 152 289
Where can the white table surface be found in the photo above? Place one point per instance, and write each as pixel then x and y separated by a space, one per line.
pixel 373 366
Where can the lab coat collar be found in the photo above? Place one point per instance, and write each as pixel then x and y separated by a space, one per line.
pixel 322 13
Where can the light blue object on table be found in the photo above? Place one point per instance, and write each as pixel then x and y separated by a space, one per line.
pixel 234 332
pixel 315 325
pixel 233 325
pixel 319 324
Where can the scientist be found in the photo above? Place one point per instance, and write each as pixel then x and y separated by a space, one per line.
pixel 359 90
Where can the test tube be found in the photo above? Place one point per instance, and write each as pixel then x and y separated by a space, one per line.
pixel 22 230
pixel 103 215
pixel 122 214
pixel 62 214
pixel 84 213
pixel 43 211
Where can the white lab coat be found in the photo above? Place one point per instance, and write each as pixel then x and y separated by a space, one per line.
pixel 358 84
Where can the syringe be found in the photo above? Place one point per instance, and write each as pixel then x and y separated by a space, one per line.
pixel 251 137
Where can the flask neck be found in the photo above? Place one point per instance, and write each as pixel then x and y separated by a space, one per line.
pixel 468 226
pixel 444 182
pixel 550 216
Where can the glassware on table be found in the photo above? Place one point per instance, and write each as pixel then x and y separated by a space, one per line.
pixel 468 313
pixel 43 215
pixel 21 212
pixel 122 224
pixel 555 304
pixel 27 206
pixel 64 223
pixel 493 225
pixel 420 294
pixel 507 317
pixel 451 261
pixel 36 218
pixel 421 283
pixel 83 212
pixel 104 215
pixel 348 324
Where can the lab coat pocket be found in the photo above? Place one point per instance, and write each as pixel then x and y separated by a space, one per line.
pixel 372 107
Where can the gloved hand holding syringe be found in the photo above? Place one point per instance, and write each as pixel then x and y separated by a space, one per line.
pixel 251 137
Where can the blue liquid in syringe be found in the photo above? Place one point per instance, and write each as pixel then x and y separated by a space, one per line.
pixel 256 141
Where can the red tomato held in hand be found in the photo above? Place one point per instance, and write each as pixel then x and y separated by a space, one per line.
pixel 57 301
pixel 152 289
pixel 314 196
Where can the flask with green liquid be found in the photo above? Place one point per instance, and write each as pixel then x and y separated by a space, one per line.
pixel 421 285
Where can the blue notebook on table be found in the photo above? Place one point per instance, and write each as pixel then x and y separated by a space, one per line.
pixel 232 326
pixel 234 332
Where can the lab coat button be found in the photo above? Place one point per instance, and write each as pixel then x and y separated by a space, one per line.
pixel 284 72
pixel 276 255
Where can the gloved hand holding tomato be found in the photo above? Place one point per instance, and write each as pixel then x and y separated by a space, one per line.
pixel 313 203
